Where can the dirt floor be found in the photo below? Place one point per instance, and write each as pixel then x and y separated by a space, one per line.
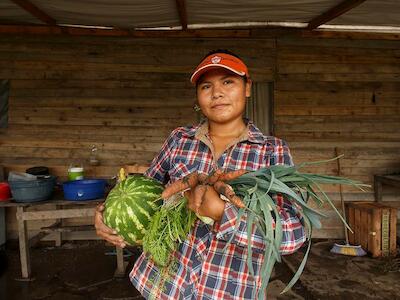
pixel 84 270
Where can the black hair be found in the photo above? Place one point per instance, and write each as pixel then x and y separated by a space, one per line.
pixel 226 52
pixel 221 51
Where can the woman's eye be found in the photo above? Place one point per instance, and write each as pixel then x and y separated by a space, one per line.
pixel 228 81
pixel 204 87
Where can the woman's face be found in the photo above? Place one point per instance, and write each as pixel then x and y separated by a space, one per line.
pixel 222 94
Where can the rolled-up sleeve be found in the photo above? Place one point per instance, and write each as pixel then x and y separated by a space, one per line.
pixel 161 164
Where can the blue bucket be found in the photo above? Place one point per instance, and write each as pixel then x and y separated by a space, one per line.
pixel 85 189
pixel 32 190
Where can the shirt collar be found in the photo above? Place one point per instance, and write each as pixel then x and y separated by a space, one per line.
pixel 252 134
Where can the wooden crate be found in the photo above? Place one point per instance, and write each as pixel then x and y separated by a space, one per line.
pixel 374 225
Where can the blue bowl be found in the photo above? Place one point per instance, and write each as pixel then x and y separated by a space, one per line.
pixel 32 190
pixel 85 189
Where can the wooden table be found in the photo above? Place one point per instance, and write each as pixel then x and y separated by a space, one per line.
pixel 58 210
pixel 379 180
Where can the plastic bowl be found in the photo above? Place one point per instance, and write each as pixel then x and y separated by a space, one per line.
pixel 5 192
pixel 32 190
pixel 85 189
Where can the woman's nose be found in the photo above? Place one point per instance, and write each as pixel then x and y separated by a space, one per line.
pixel 216 92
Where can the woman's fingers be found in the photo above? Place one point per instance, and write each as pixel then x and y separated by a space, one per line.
pixel 213 177
pixel 187 182
pixel 232 175
pixel 196 197
pixel 224 189
pixel 104 231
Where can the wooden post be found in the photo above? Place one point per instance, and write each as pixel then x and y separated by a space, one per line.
pixel 377 189
pixel 23 244
pixel 120 271
pixel 376 232
pixel 350 216
pixel 357 226
pixel 364 229
pixel 393 231
pixel 58 234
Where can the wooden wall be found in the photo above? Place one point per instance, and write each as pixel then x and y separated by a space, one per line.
pixel 340 93
pixel 125 95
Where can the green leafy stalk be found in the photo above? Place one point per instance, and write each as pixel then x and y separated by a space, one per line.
pixel 257 190
pixel 168 227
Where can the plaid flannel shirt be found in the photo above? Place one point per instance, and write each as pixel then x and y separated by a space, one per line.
pixel 204 268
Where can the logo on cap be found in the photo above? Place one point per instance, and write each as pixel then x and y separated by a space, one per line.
pixel 216 59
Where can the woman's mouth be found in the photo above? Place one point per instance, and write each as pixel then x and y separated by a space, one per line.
pixel 219 106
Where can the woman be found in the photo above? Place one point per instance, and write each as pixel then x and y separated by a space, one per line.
pixel 205 268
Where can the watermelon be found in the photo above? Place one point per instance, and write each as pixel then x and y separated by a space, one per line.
pixel 130 205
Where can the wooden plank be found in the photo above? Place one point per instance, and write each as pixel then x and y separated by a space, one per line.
pixel 393 232
pixel 36 239
pixel 336 42
pixel 146 101
pixel 75 31
pixel 60 143
pixel 364 229
pixel 370 237
pixel 348 110
pixel 102 112
pixel 335 86
pixel 23 244
pixel 357 226
pixel 385 231
pixel 335 136
pixel 351 218
pixel 327 68
pixel 18 30
pixel 109 93
pixel 338 53
pixel 137 48
pixel 140 44
pixel 121 266
pixel 110 121
pixel 340 97
pixel 344 77
pixel 376 232
pixel 67 228
pixel 57 214
pixel 141 81
pixel 171 66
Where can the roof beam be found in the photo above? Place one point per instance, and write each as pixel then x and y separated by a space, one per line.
pixel 266 32
pixel 333 13
pixel 35 11
pixel 181 6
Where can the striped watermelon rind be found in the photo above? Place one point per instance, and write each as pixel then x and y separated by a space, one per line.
pixel 130 205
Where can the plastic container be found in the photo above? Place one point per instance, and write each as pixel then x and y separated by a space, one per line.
pixel 32 190
pixel 17 176
pixel 85 189
pixel 5 192
pixel 38 171
pixel 75 173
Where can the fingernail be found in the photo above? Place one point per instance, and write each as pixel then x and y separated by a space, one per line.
pixel 114 232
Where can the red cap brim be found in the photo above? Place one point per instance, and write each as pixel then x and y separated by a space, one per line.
pixel 220 60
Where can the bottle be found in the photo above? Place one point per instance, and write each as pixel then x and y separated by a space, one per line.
pixel 93 161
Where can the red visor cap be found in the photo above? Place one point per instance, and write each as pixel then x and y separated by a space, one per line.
pixel 220 60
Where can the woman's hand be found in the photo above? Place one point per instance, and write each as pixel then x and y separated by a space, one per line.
pixel 205 201
pixel 104 231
